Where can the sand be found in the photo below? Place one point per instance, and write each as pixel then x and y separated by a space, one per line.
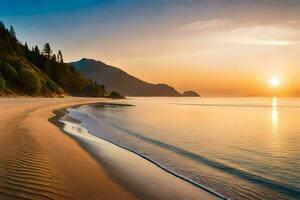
pixel 39 161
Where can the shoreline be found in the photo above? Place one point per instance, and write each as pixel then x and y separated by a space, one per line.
pixel 38 161
pixel 62 113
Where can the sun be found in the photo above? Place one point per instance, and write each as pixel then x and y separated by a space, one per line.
pixel 274 82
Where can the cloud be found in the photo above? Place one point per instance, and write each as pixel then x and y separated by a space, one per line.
pixel 204 25
pixel 269 35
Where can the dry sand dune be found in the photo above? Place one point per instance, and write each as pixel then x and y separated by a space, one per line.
pixel 37 161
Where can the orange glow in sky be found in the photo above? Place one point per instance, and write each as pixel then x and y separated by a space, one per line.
pixel 210 47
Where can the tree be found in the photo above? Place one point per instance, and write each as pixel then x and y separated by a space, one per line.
pixel 2 26
pixel 12 32
pixel 36 50
pixel 60 57
pixel 26 46
pixel 47 50
pixel 53 59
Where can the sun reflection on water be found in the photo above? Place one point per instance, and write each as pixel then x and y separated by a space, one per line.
pixel 274 113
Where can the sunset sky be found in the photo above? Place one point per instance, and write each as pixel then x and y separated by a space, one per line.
pixel 216 47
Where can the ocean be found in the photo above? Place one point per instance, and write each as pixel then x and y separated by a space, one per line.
pixel 237 148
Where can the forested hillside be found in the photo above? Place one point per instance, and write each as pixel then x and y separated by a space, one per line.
pixel 31 71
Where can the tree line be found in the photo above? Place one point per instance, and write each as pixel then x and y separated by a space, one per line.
pixel 39 72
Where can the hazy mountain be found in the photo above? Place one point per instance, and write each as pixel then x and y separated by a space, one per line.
pixel 116 79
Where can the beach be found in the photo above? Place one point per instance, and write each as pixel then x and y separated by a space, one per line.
pixel 39 161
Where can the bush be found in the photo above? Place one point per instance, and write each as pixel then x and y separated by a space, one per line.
pixel 116 95
pixel 8 71
pixel 52 86
pixel 2 83
pixel 29 82
pixel 17 63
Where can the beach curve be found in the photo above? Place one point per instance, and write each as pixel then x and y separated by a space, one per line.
pixel 143 177
pixel 38 162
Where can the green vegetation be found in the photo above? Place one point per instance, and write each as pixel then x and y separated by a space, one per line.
pixel 116 95
pixel 2 83
pixel 35 72
pixel 29 82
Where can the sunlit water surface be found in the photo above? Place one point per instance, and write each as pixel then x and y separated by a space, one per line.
pixel 241 148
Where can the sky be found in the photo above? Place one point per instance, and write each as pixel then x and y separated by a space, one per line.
pixel 215 47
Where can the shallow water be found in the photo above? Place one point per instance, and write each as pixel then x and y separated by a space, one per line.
pixel 241 148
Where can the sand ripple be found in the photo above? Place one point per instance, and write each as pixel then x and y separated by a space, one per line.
pixel 25 170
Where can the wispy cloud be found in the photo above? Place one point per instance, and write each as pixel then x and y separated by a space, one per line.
pixel 206 25
pixel 237 32
pixel 260 35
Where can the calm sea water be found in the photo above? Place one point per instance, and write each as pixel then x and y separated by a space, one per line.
pixel 241 148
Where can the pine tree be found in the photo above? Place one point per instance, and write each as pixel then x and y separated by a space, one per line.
pixel 36 50
pixel 53 59
pixel 60 57
pixel 26 51
pixel 2 26
pixel 47 50
pixel 12 32
pixel 26 46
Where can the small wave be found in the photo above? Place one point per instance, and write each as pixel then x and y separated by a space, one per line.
pixel 211 191
pixel 86 116
pixel 256 179
pixel 274 185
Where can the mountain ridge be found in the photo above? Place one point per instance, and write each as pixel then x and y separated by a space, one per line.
pixel 116 79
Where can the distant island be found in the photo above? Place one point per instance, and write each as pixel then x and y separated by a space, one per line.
pixel 190 93
pixel 116 79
